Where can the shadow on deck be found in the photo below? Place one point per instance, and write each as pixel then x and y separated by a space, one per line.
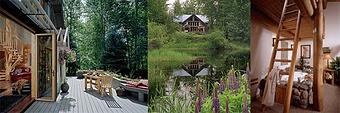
pixel 80 101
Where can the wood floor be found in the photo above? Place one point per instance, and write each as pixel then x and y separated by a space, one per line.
pixel 331 103
pixel 79 101
pixel 6 85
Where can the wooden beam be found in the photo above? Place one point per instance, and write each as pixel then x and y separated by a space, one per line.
pixel 11 17
pixel 317 58
pixel 267 22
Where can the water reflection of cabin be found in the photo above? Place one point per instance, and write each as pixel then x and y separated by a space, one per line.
pixel 31 35
pixel 193 23
pixel 195 68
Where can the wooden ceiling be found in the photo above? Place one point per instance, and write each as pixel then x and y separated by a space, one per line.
pixel 272 9
pixel 333 0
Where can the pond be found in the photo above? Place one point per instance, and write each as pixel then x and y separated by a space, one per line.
pixel 207 65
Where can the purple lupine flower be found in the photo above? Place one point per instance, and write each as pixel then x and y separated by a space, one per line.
pixel 233 83
pixel 216 100
pixel 236 85
pixel 245 105
pixel 222 85
pixel 198 104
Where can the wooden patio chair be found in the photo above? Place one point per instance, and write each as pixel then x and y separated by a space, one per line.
pixel 106 84
pixel 87 79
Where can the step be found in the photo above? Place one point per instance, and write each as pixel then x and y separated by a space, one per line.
pixel 288 29
pixel 282 60
pixel 290 19
pixel 290 5
pixel 291 12
pixel 284 49
pixel 283 39
pixel 2 77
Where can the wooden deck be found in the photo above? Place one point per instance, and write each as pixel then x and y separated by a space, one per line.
pixel 79 101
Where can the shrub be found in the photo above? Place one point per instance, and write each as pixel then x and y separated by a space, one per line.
pixel 217 41
pixel 157 34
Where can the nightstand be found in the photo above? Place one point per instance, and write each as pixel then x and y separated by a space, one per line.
pixel 331 72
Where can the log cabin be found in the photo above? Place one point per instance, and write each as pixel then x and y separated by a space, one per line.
pixel 290 35
pixel 193 23
pixel 32 34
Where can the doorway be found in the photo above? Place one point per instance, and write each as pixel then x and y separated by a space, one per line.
pixel 45 66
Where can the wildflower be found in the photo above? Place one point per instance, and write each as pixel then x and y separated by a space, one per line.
pixel 215 100
pixel 245 105
pixel 198 104
pixel 222 85
pixel 233 83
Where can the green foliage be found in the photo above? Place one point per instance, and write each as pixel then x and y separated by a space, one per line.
pixel 170 104
pixel 217 41
pixel 99 28
pixel 158 11
pixel 235 99
pixel 231 16
pixel 335 63
pixel 169 59
pixel 72 14
pixel 178 10
pixel 114 57
pixel 192 7
pixel 157 35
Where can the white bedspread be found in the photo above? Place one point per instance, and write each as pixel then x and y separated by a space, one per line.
pixel 297 75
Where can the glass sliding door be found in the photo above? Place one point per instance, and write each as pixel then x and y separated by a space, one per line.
pixel 45 67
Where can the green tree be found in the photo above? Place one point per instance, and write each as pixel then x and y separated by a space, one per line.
pixel 192 7
pixel 157 11
pixel 178 10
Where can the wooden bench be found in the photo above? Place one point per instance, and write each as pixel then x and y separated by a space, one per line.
pixel 140 91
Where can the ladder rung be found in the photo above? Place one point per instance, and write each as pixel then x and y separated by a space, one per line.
pixel 282 60
pixel 284 49
pixel 289 5
pixel 288 29
pixel 290 19
pixel 290 12
pixel 282 39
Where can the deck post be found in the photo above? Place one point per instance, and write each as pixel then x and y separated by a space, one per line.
pixel 318 57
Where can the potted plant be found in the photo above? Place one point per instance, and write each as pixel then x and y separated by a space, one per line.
pixel 335 64
pixel 64 86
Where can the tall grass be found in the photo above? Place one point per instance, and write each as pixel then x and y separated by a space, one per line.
pixel 161 63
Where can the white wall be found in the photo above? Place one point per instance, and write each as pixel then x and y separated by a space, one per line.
pixel 260 51
pixel 308 41
pixel 332 28
pixel 332 32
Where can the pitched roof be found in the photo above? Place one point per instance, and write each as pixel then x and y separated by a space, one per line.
pixel 182 18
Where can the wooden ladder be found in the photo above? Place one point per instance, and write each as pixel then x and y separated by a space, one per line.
pixel 290 13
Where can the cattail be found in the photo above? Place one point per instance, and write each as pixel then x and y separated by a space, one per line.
pixel 245 105
pixel 215 100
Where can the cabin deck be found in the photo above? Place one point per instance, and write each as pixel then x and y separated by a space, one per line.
pixel 80 101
